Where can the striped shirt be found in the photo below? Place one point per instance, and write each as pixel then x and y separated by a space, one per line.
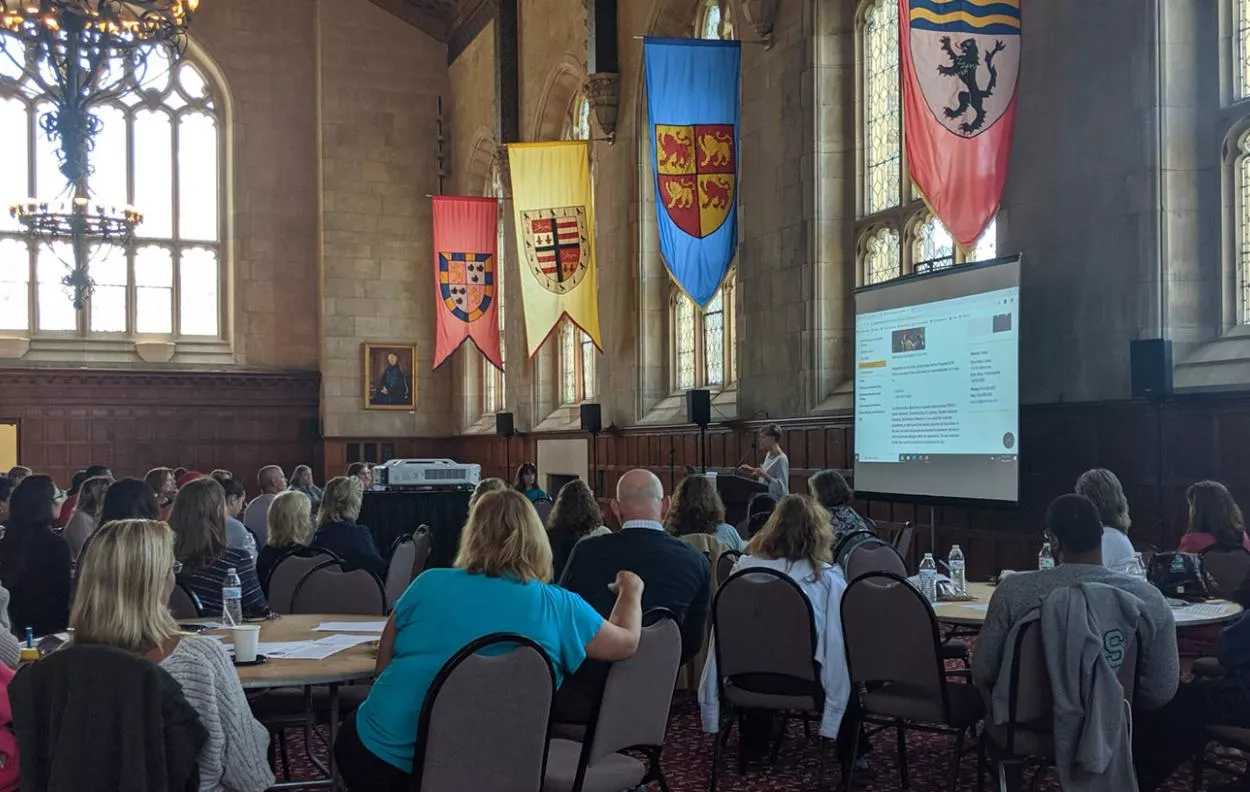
pixel 206 581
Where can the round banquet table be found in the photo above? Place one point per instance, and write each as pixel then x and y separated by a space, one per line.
pixel 350 665
pixel 972 613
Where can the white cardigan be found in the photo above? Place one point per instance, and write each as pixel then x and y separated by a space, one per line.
pixel 824 591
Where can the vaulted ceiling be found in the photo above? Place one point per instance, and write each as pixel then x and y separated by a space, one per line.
pixel 436 17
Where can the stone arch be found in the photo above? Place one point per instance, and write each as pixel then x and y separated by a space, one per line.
pixel 482 155
pixel 563 84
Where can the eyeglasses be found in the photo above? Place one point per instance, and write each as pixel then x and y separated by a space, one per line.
pixel 176 568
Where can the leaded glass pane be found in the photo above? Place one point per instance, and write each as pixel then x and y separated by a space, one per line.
pixel 881 106
pixel 714 339
pixel 199 281
pixel 986 247
pixel 56 312
pixel 14 284
pixel 1243 48
pixel 154 174
pixel 107 183
pixel 197 177
pixel 1244 232
pixel 154 290
pixel 579 119
pixel 108 300
pixel 568 364
pixel 933 247
pixel 588 367
pixel 711 21
pixel 15 174
pixel 685 321
pixel 881 256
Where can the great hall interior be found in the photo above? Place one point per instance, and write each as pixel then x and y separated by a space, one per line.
pixel 286 163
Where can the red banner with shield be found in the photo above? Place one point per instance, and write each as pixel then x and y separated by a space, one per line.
pixel 466 279
pixel 961 63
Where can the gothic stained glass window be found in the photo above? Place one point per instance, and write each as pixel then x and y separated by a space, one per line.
pixel 882 115
pixel 568 363
pixel 1243 227
pixel 588 365
pixel 881 256
pixel 1243 48
pixel 158 148
pixel 714 340
pixel 685 342
pixel 933 248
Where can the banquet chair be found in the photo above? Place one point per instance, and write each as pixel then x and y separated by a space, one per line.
pixel 764 638
pixel 288 572
pixel 903 540
pixel 869 556
pixel 1229 568
pixel 725 565
pixel 899 673
pixel 408 557
pixel 485 719
pixel 632 714
pixel 184 603
pixel 327 588
pixel 544 506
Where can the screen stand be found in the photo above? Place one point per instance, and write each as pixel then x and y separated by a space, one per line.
pixel 933 531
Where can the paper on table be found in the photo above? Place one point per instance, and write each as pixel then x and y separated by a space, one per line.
pixel 1199 611
pixel 349 627
pixel 322 648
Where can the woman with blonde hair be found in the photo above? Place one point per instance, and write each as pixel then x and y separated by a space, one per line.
pixel 302 481
pixel 200 544
pixel 1101 488
pixel 338 532
pixel 123 602
pixel 484 486
pixel 82 523
pixel 290 522
pixel 499 584
pixel 797 541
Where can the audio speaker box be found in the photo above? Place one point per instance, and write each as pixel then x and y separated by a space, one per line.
pixel 503 424
pixel 592 418
pixel 699 407
pixel 1150 362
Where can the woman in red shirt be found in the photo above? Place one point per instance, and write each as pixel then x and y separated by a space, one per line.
pixel 1214 519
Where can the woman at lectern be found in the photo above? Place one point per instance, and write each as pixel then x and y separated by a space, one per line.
pixel 775 472
pixel 527 483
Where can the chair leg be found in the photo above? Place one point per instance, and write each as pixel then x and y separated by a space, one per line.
pixel 718 743
pixel 742 746
pixel 820 746
pixel 1199 760
pixel 902 755
pixel 955 757
pixel 848 769
pixel 286 760
pixel 780 737
pixel 981 763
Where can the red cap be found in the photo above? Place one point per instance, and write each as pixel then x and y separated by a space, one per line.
pixel 190 475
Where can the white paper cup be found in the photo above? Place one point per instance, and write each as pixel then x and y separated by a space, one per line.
pixel 246 637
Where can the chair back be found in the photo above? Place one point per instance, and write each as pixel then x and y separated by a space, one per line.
pixel 326 588
pixel 763 625
pixel 423 540
pixel 485 720
pixel 903 539
pixel 725 566
pixel 287 574
pixel 637 695
pixel 1228 567
pixel 907 656
pixel 184 603
pixel 873 556
pixel 843 546
pixel 543 506
pixel 399 570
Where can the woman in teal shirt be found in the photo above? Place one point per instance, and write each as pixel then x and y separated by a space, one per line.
pixel 499 584
pixel 527 483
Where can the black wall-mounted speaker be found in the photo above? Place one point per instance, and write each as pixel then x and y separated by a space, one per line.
pixel 592 418
pixel 503 424
pixel 699 407
pixel 1150 363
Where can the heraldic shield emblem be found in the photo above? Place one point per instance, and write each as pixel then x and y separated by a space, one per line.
pixel 555 246
pixel 967 59
pixel 466 282
pixel 697 167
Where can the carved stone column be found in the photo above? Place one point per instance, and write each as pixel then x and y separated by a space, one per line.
pixel 760 16
pixel 603 90
pixel 505 171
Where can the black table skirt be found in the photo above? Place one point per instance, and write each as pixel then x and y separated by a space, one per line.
pixel 390 514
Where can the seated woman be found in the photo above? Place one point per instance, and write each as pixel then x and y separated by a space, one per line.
pixel 82 523
pixel 499 585
pixel 1214 519
pixel 302 481
pixel 797 541
pixel 34 561
pixel 697 509
pixel 484 486
pixel 199 523
pixel 127 499
pixel 338 532
pixel 759 509
pixel 830 490
pixel 237 534
pixel 164 485
pixel 1102 488
pixel 122 602
pixel 527 482
pixel 290 520
pixel 575 516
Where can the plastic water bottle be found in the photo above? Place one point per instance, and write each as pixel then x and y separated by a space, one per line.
pixel 928 577
pixel 232 599
pixel 1136 567
pixel 955 563
pixel 1045 559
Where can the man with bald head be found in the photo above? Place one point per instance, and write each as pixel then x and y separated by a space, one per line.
pixel 272 481
pixel 677 576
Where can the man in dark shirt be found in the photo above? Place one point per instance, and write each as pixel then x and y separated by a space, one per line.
pixel 677 577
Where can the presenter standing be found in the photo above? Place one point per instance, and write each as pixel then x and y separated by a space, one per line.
pixel 775 472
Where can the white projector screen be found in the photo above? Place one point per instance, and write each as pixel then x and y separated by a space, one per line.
pixel 937 404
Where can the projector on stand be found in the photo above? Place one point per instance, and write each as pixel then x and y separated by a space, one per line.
pixel 400 474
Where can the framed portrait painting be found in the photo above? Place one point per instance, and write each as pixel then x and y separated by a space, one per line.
pixel 390 383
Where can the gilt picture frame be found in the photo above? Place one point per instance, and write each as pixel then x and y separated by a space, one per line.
pixel 389 371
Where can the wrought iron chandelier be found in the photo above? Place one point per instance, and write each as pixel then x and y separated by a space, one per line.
pixel 67 48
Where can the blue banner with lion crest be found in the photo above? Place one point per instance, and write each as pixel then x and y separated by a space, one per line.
pixel 692 100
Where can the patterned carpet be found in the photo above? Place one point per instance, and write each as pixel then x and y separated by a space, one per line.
pixel 687 759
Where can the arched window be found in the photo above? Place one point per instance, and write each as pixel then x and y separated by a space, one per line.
pixel 577 350
pixel 891 211
pixel 1241 58
pixel 494 391
pixel 159 148
pixel 704 346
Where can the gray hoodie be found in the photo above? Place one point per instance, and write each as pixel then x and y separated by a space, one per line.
pixel 1088 631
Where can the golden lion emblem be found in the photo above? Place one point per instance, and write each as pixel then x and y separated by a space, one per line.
pixel 717 149
pixel 680 196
